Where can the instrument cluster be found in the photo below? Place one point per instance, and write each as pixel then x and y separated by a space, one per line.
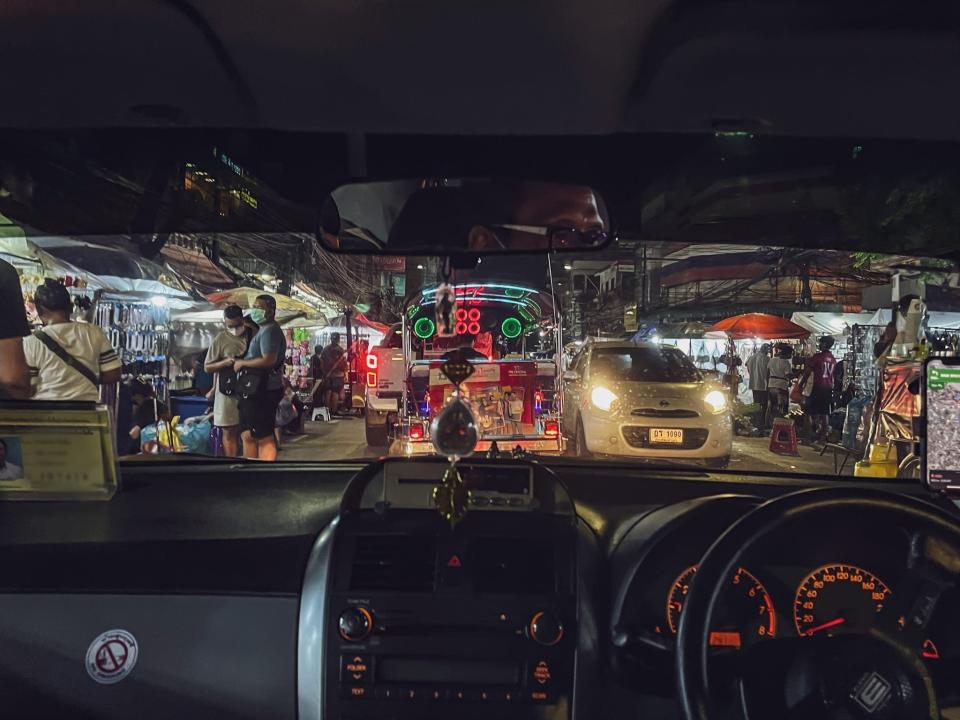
pixel 803 582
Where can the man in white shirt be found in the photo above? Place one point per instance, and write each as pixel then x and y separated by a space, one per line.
pixel 71 360
pixel 8 470
pixel 757 366
pixel 779 372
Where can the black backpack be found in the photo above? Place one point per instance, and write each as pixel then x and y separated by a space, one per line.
pixel 227 381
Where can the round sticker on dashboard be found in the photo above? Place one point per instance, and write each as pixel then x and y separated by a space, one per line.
pixel 111 656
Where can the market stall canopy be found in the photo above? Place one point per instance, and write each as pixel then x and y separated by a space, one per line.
pixel 362 319
pixel 304 322
pixel 119 274
pixel 196 268
pixel 244 297
pixel 830 323
pixel 935 319
pixel 757 325
pixel 215 315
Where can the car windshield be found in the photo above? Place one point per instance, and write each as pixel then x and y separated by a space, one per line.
pixel 645 364
pixel 762 305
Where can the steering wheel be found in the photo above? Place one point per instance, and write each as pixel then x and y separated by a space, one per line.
pixel 877 675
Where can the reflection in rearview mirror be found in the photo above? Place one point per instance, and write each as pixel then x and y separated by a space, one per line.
pixel 458 217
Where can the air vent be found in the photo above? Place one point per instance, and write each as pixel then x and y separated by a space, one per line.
pixel 403 563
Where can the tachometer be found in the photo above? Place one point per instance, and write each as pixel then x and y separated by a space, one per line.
pixel 746 610
pixel 838 598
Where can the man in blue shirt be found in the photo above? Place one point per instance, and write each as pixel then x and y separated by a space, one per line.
pixel 265 356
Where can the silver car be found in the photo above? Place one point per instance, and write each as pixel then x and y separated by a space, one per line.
pixel 644 400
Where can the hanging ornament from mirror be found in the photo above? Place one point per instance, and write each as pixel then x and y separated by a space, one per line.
pixel 454 429
pixel 451 497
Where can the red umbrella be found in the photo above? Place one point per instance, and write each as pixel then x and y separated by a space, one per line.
pixel 759 325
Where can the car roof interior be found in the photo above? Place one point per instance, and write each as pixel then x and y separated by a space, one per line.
pixel 867 69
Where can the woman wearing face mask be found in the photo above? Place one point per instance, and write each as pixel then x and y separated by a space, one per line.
pixel 68 360
pixel 229 344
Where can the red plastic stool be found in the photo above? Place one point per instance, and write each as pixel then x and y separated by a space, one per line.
pixel 783 437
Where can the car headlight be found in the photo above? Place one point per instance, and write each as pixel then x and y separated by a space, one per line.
pixel 604 399
pixel 716 401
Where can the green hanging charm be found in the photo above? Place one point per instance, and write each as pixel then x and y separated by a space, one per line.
pixel 451 497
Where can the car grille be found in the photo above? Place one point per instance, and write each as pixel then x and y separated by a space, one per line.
pixel 665 413
pixel 639 437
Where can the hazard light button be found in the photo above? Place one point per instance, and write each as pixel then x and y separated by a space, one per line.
pixel 454 561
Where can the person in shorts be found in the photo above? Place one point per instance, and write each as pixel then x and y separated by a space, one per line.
pixel 757 367
pixel 265 356
pixel 820 367
pixel 229 344
pixel 779 370
pixel 333 364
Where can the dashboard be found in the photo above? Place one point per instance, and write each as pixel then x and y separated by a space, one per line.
pixel 338 592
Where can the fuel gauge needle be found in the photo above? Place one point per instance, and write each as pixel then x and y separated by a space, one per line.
pixel 824 626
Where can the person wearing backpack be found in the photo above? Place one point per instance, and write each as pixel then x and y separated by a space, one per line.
pixel 67 360
pixel 229 344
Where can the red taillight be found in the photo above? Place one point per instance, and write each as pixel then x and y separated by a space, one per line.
pixel 416 432
pixel 371 363
pixel 551 428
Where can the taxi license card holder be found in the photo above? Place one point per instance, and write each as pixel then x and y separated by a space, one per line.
pixel 56 451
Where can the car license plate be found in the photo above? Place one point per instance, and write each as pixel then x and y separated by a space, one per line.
pixel 666 436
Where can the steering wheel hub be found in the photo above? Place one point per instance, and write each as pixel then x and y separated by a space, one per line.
pixel 868 677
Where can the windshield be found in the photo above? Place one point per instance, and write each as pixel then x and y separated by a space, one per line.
pixel 645 364
pixel 764 305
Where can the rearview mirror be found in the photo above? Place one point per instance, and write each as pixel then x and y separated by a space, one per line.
pixel 463 217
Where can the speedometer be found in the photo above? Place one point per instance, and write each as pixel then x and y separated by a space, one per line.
pixel 746 609
pixel 838 598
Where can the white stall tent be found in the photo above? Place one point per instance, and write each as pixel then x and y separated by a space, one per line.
pixel 935 319
pixel 834 324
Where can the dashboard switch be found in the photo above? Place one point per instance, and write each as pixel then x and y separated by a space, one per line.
pixel 355 624
pixel 355 668
pixel 545 629
pixel 540 675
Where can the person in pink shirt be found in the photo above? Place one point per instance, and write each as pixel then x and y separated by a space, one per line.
pixel 821 367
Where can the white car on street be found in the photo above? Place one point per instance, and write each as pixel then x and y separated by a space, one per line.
pixel 644 400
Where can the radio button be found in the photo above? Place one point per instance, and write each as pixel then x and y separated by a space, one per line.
pixel 387 693
pixel 355 668
pixel 354 692
pixel 539 675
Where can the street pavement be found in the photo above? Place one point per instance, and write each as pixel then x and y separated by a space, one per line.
pixel 343 439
